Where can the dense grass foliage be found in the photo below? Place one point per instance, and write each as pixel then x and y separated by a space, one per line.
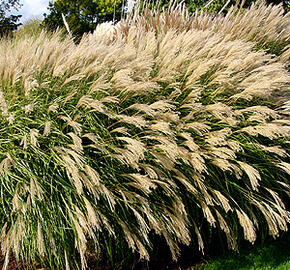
pixel 267 26
pixel 138 135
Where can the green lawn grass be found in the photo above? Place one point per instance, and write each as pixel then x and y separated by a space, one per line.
pixel 272 255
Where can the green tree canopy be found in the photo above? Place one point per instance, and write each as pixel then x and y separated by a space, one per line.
pixel 82 15
pixel 8 23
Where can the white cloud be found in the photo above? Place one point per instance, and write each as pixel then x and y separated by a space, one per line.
pixel 33 8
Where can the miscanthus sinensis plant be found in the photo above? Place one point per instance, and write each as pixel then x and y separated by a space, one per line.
pixel 140 135
pixel 267 26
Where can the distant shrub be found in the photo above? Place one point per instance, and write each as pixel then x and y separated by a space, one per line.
pixel 31 27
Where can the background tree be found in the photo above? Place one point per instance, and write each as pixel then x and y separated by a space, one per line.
pixel 8 23
pixel 82 15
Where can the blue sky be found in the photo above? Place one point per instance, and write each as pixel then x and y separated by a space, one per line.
pixel 32 8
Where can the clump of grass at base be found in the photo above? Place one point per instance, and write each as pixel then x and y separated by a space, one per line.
pixel 271 255
pixel 140 133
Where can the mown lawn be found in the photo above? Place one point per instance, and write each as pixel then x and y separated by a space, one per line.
pixel 274 255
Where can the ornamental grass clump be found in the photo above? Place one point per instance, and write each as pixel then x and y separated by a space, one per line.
pixel 139 137
pixel 267 26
